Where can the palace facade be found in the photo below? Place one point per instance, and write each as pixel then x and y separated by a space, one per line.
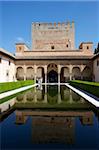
pixel 53 56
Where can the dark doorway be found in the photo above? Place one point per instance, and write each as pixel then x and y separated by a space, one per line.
pixel 52 77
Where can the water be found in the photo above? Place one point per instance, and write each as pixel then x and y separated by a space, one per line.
pixel 51 117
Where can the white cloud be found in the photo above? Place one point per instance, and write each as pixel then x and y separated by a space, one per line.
pixel 20 39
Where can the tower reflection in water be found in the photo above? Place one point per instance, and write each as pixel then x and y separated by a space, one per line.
pixel 53 125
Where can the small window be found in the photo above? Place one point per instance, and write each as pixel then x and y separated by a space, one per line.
pixel 20 48
pixel 67 45
pixel 97 62
pixel 9 63
pixel 52 47
pixel 7 73
pixel 87 47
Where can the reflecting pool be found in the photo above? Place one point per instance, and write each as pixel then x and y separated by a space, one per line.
pixel 48 116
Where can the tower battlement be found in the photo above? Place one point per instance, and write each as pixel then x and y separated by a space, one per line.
pixel 58 25
pixel 53 36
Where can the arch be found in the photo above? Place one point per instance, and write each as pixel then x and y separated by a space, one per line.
pixel 52 76
pixel 52 94
pixel 29 73
pixel 87 74
pixel 20 73
pixel 75 97
pixel 40 73
pixel 65 93
pixel 65 75
pixel 52 66
pixel 20 97
pixel 40 95
pixel 52 73
pixel 30 95
pixel 76 73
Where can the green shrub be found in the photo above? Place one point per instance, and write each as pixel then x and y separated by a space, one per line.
pixel 91 87
pixel 7 86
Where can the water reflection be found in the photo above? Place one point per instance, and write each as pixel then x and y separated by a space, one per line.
pixel 50 95
pixel 71 122
pixel 54 127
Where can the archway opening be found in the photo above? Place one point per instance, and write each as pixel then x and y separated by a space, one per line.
pixel 20 73
pixel 29 73
pixel 52 77
pixel 52 73
pixel 76 74
pixel 65 76
pixel 87 74
pixel 40 73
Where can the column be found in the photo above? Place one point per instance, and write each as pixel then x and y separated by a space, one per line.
pixel 59 68
pixel 59 95
pixel 81 70
pixel 24 72
pixel 70 98
pixel 35 72
pixel 35 95
pixel 45 71
pixel 45 96
pixel 70 72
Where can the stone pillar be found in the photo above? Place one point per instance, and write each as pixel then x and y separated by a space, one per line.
pixel 35 72
pixel 70 72
pixel 59 69
pixel 35 95
pixel 81 70
pixel 25 72
pixel 59 96
pixel 45 71
pixel 70 98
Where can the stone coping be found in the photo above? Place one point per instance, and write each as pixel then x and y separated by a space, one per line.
pixel 85 95
pixel 7 53
pixel 9 93
pixel 52 57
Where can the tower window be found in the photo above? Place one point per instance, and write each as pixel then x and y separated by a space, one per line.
pixel 52 47
pixel 9 63
pixel 87 47
pixel 20 48
pixel 7 73
pixel 67 45
pixel 97 62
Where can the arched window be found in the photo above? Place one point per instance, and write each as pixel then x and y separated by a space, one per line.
pixel 52 47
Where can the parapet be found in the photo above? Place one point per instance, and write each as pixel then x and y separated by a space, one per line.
pixel 40 25
pixel 21 47
pixel 86 46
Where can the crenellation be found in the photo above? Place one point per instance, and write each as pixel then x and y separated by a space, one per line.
pixel 46 35
pixel 63 25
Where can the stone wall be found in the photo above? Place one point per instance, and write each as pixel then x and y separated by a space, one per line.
pixel 48 36
pixel 7 68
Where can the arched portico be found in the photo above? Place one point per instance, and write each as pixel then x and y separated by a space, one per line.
pixel 65 75
pixel 40 73
pixel 87 74
pixel 29 73
pixel 20 73
pixel 52 73
pixel 76 73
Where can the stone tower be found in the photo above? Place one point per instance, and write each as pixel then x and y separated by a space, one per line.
pixel 56 36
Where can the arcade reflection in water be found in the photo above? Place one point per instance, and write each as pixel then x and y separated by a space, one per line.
pixel 60 126
pixel 50 95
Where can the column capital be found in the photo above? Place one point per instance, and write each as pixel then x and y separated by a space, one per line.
pixel 45 69
pixel 59 69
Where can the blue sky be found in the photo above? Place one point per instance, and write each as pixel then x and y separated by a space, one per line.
pixel 16 19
